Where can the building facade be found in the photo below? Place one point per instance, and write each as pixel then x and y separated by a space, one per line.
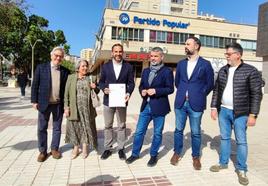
pixel 262 40
pixel 86 54
pixel 141 25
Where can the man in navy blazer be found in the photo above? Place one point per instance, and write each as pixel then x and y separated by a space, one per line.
pixel 116 71
pixel 156 84
pixel 47 97
pixel 194 80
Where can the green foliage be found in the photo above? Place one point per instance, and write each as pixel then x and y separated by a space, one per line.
pixel 69 65
pixel 19 33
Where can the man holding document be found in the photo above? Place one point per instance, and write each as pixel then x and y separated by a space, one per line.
pixel 156 84
pixel 117 83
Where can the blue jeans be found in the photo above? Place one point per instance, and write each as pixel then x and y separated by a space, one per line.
pixel 142 125
pixel 226 122
pixel 195 125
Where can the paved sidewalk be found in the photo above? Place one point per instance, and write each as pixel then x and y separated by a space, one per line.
pixel 18 152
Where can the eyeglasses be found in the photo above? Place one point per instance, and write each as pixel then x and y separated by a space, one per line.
pixel 56 55
pixel 229 54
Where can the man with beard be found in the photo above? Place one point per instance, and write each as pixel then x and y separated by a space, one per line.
pixel 194 80
pixel 156 84
pixel 115 71
pixel 236 101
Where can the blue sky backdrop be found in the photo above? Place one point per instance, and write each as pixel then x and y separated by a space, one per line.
pixel 80 19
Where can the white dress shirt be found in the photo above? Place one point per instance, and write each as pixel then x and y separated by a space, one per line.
pixel 117 68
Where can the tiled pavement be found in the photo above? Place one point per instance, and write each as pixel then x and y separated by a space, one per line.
pixel 18 152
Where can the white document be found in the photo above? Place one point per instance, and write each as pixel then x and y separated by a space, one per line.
pixel 117 95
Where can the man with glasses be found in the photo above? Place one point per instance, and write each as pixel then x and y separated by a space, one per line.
pixel 236 101
pixel 194 80
pixel 47 97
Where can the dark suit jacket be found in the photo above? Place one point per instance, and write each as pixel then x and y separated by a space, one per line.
pixel 126 76
pixel 163 85
pixel 198 86
pixel 41 85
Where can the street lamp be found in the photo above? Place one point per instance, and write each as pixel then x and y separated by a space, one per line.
pixel 33 45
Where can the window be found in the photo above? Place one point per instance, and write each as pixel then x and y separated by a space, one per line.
pixel 161 37
pixel 169 37
pixel 134 5
pixel 176 38
pixel 128 34
pixel 152 36
pixel 248 45
pixel 177 1
pixel 136 34
pixel 114 34
pixel 215 42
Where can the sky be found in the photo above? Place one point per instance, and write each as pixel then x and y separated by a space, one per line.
pixel 80 19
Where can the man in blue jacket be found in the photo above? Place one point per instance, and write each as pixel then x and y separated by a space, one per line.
pixel 115 71
pixel 47 97
pixel 194 80
pixel 156 84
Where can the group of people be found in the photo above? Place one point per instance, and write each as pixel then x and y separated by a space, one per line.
pixel 235 101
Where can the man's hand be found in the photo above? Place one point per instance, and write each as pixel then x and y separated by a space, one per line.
pixel 143 92
pixel 251 121
pixel 127 97
pixel 151 91
pixel 214 114
pixel 35 106
pixel 106 91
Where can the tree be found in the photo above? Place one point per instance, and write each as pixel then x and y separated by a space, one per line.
pixel 17 32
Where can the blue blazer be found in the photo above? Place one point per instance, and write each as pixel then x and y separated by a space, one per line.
pixel 163 85
pixel 41 85
pixel 198 86
pixel 107 77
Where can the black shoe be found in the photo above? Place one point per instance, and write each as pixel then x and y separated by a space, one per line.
pixel 131 159
pixel 106 154
pixel 122 155
pixel 152 162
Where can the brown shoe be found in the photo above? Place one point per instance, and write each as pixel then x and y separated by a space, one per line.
pixel 175 159
pixel 42 157
pixel 196 163
pixel 56 154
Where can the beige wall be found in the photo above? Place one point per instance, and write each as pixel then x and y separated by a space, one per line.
pixel 204 27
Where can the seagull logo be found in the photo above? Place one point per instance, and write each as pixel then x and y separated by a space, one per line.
pixel 124 18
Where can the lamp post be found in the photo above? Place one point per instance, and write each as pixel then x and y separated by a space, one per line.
pixel 33 45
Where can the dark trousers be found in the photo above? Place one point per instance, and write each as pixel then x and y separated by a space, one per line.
pixel 43 118
pixel 22 90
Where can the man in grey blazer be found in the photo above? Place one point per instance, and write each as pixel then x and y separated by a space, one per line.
pixel 115 71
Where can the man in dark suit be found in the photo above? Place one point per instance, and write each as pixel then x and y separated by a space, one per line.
pixel 156 84
pixel 194 80
pixel 115 71
pixel 47 97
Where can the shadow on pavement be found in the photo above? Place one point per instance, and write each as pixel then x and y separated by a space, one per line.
pixel 7 98
pixel 22 146
pixel 16 107
pixel 100 180
pixel 215 145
